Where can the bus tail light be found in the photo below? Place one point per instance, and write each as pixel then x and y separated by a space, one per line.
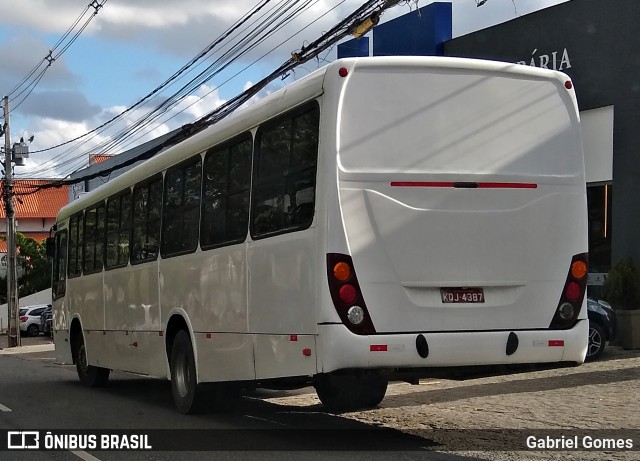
pixel 572 296
pixel 346 294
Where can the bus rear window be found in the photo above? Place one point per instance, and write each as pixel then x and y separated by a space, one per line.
pixel 444 122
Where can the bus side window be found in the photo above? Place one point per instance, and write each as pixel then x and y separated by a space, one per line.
pixel 75 245
pixel 118 230
pixel 147 203
pixel 181 209
pixel 226 185
pixel 285 173
pixel 94 239
pixel 60 265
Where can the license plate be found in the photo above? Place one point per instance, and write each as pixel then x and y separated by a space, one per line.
pixel 462 295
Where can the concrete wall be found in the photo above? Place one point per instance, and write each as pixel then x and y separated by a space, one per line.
pixel 42 297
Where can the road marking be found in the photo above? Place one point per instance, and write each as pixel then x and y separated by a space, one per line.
pixel 3 408
pixel 267 420
pixel 84 455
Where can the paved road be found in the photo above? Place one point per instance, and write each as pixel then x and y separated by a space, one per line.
pixel 494 415
pixel 481 415
pixel 45 395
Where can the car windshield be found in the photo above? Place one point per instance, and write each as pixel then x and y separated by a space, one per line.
pixel 22 311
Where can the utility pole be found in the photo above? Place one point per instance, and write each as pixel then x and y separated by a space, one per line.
pixel 12 272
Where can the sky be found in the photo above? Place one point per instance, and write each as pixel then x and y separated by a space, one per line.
pixel 131 47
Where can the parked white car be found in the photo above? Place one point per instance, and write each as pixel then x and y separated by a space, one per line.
pixel 30 319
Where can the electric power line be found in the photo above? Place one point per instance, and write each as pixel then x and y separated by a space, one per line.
pixel 243 44
pixel 29 82
pixel 368 13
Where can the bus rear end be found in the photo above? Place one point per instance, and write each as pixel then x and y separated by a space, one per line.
pixel 463 223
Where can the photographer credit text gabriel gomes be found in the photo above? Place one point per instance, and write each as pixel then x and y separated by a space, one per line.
pixel 576 442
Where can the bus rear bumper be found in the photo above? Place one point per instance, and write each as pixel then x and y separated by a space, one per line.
pixel 341 349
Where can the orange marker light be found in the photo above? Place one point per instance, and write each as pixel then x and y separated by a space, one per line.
pixel 579 269
pixel 342 272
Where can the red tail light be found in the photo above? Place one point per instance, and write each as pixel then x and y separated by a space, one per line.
pixel 572 296
pixel 346 294
pixel 24 318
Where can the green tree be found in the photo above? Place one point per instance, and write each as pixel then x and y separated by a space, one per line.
pixel 36 267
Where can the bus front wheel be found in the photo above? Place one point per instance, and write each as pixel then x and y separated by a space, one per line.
pixel 350 392
pixel 89 375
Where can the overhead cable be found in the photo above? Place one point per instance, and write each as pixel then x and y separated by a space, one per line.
pixel 346 27
pixel 31 80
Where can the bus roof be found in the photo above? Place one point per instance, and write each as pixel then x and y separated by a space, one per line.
pixel 308 87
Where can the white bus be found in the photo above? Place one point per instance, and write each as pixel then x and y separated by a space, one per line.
pixel 380 219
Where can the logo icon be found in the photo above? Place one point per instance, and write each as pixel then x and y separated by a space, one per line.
pixel 23 440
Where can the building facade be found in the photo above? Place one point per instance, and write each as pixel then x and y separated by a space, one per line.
pixel 35 212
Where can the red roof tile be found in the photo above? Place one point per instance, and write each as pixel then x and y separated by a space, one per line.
pixel 43 203
pixel 98 158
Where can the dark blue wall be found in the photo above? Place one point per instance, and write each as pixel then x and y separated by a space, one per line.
pixel 418 33
pixel 356 48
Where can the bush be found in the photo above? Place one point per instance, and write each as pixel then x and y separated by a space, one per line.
pixel 622 286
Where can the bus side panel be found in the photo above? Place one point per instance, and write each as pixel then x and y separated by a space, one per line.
pixel 285 355
pixel 86 300
pixel 224 356
pixel 131 299
pixel 60 327
pixel 282 283
pixel 134 351
pixel 211 287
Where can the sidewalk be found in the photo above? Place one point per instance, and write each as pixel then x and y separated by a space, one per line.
pixel 39 343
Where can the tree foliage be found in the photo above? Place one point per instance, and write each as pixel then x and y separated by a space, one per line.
pixel 622 285
pixel 34 269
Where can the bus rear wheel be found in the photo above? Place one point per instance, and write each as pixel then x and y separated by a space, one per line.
pixel 189 396
pixel 89 375
pixel 184 385
pixel 350 392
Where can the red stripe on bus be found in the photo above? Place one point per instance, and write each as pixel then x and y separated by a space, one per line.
pixel 469 185
pixel 420 184
pixel 507 185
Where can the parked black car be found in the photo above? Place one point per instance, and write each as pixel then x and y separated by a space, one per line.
pixel 46 320
pixel 602 326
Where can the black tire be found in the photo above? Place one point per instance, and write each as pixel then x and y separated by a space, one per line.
pixel 221 397
pixel 350 392
pixel 184 385
pixel 375 392
pixel 597 341
pixel 33 330
pixel 90 376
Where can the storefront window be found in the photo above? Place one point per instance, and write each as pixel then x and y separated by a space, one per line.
pixel 599 203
